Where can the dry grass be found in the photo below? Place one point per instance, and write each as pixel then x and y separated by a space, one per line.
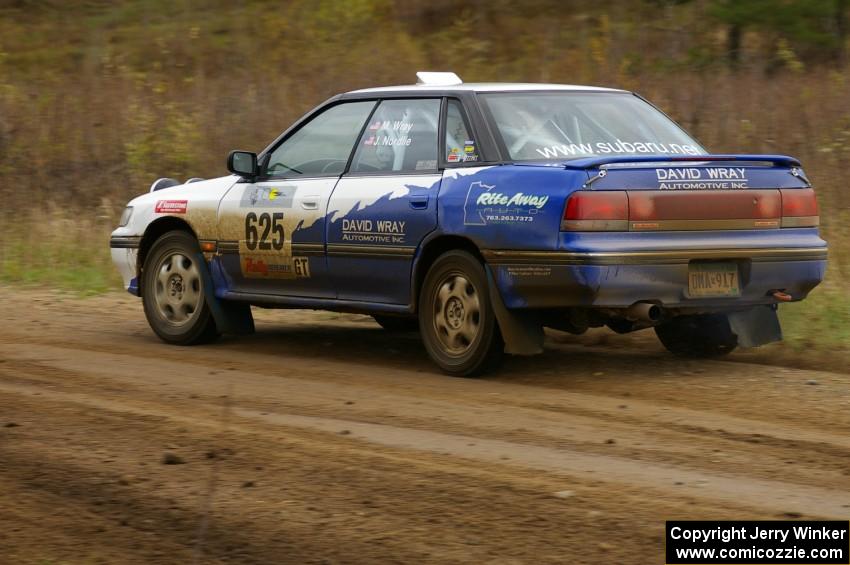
pixel 58 249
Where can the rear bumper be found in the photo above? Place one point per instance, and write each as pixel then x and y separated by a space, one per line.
pixel 534 279
pixel 495 257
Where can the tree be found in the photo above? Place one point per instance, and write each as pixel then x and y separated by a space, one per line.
pixel 813 29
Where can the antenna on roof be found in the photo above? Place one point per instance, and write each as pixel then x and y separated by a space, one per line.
pixel 426 78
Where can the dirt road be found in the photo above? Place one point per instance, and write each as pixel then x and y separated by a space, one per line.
pixel 324 439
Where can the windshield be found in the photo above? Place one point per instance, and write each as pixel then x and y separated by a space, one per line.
pixel 568 125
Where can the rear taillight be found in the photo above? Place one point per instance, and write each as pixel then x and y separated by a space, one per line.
pixel 667 210
pixel 799 208
pixel 605 210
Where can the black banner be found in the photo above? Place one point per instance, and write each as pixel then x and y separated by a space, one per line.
pixel 758 542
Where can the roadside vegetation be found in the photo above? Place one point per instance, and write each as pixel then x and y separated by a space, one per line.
pixel 97 99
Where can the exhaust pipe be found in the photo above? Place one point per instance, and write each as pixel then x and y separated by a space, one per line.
pixel 643 312
pixel 780 295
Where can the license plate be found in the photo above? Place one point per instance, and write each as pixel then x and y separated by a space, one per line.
pixel 713 279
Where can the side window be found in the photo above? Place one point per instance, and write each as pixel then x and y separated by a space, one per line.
pixel 460 146
pixel 401 136
pixel 322 146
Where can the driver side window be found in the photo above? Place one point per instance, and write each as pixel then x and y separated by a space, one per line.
pixel 322 146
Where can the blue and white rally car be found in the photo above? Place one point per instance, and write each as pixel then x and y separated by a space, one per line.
pixel 486 212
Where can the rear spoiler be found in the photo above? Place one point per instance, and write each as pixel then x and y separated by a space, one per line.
pixel 596 162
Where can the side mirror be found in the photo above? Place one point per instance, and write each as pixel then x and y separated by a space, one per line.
pixel 243 163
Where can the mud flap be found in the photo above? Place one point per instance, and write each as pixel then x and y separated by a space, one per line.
pixel 522 332
pixel 756 326
pixel 230 317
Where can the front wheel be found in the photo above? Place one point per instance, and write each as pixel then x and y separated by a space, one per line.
pixel 173 291
pixel 701 336
pixel 456 319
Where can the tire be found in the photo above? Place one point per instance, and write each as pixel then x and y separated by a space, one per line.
pixel 173 291
pixel 702 336
pixel 397 323
pixel 456 320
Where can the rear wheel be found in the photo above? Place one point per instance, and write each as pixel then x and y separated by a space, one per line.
pixel 701 336
pixel 397 323
pixel 456 319
pixel 173 291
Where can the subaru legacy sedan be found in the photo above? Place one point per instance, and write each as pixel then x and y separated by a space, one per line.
pixel 478 214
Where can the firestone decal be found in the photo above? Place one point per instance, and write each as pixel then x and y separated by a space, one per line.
pixel 171 206
pixel 484 206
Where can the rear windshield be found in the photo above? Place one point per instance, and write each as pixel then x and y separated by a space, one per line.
pixel 568 125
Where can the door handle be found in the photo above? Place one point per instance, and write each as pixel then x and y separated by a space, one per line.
pixel 310 204
pixel 419 202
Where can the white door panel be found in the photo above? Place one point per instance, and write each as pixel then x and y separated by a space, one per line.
pixel 274 232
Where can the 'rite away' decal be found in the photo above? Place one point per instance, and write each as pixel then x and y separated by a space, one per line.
pixel 484 206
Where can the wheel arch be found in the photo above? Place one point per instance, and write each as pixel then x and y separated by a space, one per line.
pixel 154 231
pixel 432 249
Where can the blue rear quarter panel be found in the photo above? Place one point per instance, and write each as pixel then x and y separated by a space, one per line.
pixel 475 202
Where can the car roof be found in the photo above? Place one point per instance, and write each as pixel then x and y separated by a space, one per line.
pixel 482 87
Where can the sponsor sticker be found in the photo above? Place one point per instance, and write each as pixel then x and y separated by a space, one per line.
pixel 484 205
pixel 426 165
pixel 268 266
pixel 711 178
pixel 388 232
pixel 171 206
pixel 616 147
pixel 267 197
pixel 530 271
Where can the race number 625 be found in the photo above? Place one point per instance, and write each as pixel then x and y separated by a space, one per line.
pixel 259 228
